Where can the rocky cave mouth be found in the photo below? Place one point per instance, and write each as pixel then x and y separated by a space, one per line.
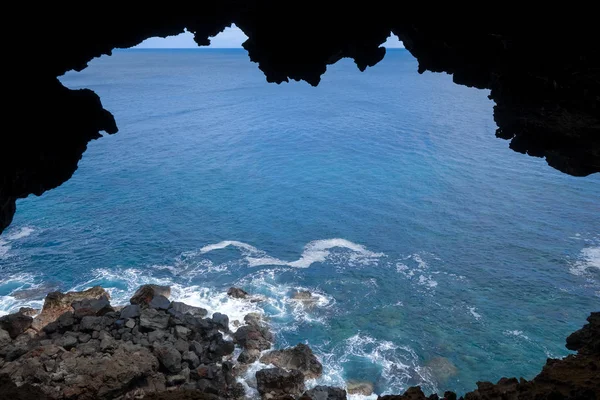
pixel 545 107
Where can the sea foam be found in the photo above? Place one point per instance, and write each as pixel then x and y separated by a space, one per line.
pixel 314 252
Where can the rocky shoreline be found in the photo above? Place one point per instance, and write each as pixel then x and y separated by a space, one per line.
pixel 79 346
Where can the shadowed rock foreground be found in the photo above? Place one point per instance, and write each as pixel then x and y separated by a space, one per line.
pixel 81 347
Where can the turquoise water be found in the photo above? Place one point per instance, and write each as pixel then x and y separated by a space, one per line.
pixel 385 193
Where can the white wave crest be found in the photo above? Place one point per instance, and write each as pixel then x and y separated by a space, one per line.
pixel 516 333
pixel 474 313
pixel 7 239
pixel 589 258
pixel 21 233
pixel 315 251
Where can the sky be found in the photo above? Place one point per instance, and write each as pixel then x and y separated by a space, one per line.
pixel 230 38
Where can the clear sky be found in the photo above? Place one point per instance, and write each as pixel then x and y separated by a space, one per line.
pixel 230 38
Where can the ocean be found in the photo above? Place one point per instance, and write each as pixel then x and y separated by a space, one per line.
pixel 439 257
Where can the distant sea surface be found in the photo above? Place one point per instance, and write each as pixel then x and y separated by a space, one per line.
pixel 439 256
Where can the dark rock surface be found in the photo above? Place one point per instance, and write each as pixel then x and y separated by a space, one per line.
pixel 254 337
pixel 547 106
pixel 324 393
pixel 15 324
pixel 182 308
pixel 237 293
pixel 275 383
pixel 57 303
pixel 106 356
pixel 299 357
pixel 145 294
pixel 359 387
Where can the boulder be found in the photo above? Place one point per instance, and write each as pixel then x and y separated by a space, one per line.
pixel 324 393
pixel 152 319
pixel 191 358
pixel 95 307
pixel 91 323
pixel 299 357
pixel 254 318
pixel 305 298
pixel 359 387
pixel 97 375
pixel 155 335
pixel 273 383
pixel 30 312
pixel 4 338
pixel 64 322
pixel 248 356
pixel 169 357
pixel 221 320
pixel 131 311
pixel 237 293
pixel 144 295
pixel 159 302
pixel 253 337
pixel 178 307
pixel 57 303
pixel 181 332
pixel 15 324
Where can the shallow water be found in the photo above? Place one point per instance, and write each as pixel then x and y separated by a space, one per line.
pixel 385 193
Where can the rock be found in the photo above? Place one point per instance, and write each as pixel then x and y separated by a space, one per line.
pixel 324 393
pixel 160 302
pixel 95 307
pixel 182 345
pixel 151 318
pixel 15 324
pixel 155 335
pixel 253 337
pixel 191 358
pixel 108 343
pixel 84 338
pixel 359 387
pixel 415 393
pixel 30 312
pixel 182 332
pixel 273 383
pixel 130 311
pixel 587 339
pixel 303 295
pixel 178 307
pixel 173 380
pixel 248 356
pixel 168 357
pixel 442 369
pixel 96 375
pixel 144 295
pixel 305 298
pixel 68 342
pixel 221 320
pixel 130 323
pixel 299 357
pixel 57 303
pixel 237 293
pixel 64 322
pixel 4 338
pixel 91 323
pixel 253 319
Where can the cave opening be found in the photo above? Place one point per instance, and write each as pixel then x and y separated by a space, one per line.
pixel 384 193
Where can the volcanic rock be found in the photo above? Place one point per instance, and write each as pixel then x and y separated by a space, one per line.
pixel 299 357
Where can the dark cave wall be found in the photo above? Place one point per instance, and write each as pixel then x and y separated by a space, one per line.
pixel 545 81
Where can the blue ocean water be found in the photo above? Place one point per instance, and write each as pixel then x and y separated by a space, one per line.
pixel 439 256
